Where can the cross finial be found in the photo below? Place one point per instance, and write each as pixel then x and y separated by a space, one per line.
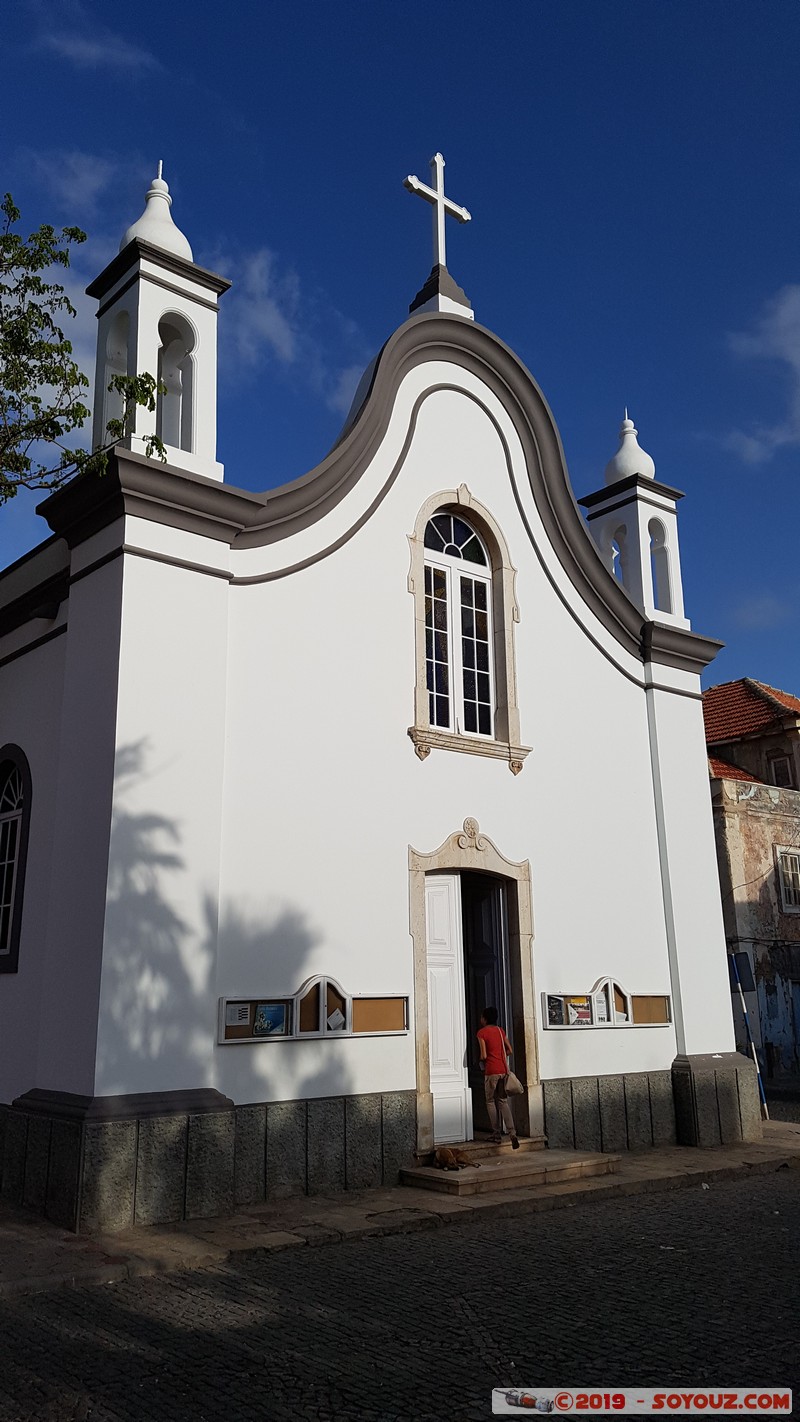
pixel 442 206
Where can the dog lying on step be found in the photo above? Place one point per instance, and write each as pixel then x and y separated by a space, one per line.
pixel 446 1159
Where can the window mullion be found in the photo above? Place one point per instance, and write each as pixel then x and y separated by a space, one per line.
pixel 456 666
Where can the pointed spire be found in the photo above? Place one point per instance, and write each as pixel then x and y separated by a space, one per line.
pixel 156 225
pixel 630 458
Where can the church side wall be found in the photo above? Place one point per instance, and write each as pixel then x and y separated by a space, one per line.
pixel 85 745
pixel 31 690
pixel 157 1007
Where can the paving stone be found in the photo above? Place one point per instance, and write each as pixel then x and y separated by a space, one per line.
pixel 586 1113
pixel 250 1179
pixel 558 1123
pixel 704 1085
pixel 209 1164
pixel 637 1110
pixel 399 1130
pixel 363 1142
pixel 286 1149
pixel 161 1169
pixel 63 1176
pixel 683 1096
pixel 326 1166
pixel 662 1108
pixel 37 1157
pixel 613 1127
pixel 343 1331
pixel 750 1102
pixel 730 1124
pixel 108 1175
pixel 16 1138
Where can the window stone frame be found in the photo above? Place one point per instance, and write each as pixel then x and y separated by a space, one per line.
pixel 505 744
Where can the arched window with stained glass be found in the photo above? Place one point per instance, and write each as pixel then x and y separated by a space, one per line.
pixel 14 816
pixel 458 627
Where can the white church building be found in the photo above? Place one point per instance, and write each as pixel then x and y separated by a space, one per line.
pixel 293 784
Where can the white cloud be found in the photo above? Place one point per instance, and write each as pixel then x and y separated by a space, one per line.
pixel 262 310
pixel 269 317
pixel 774 336
pixel 74 179
pixel 763 611
pixel 344 388
pixel 101 50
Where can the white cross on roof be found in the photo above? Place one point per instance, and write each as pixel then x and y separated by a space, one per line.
pixel 442 206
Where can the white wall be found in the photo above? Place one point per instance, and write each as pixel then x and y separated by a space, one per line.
pixel 85 741
pixel 324 793
pixel 265 792
pixel 157 1006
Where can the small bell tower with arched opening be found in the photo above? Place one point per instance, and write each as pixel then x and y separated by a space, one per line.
pixel 634 523
pixel 158 314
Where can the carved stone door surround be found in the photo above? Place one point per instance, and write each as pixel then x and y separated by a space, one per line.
pixel 468 849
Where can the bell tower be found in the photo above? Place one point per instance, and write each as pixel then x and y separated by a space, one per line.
pixel 158 313
pixel 634 523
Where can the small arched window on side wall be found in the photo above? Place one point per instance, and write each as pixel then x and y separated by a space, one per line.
pixel 116 364
pixel 619 555
pixel 659 566
pixel 175 408
pixel 15 812
pixel 465 608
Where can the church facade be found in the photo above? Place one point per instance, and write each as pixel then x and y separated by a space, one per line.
pixel 293 784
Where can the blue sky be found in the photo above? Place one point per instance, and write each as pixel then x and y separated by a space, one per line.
pixel 633 173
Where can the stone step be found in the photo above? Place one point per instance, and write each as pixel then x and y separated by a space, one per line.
pixel 511 1171
pixel 482 1148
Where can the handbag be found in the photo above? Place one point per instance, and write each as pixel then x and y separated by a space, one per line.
pixel 513 1085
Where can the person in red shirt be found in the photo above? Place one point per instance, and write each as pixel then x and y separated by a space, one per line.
pixel 495 1051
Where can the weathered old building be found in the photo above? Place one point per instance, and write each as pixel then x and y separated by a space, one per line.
pixel 753 736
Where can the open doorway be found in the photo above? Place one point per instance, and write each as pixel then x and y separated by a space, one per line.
pixel 487 977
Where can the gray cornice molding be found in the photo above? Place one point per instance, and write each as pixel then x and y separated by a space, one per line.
pixel 145 488
pixel 171 496
pixel 628 485
pixel 138 250
pixel 66 1105
pixel 43 600
pixel 678 647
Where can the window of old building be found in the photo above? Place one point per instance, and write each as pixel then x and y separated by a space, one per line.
pixel 779 769
pixel 788 867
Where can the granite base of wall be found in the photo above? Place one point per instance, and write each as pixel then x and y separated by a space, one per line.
pixel 610 1113
pixel 105 1163
pixel 716 1099
pixel 703 1101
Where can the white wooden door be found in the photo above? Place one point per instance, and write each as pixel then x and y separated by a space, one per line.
pixel 447 1016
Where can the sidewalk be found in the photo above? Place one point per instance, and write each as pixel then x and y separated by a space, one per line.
pixel 36 1255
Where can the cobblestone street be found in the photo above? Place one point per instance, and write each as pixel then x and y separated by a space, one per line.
pixel 679 1288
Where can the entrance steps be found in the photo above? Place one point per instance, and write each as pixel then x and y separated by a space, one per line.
pixel 499 1168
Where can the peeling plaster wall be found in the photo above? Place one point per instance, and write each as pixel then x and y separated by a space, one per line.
pixel 750 820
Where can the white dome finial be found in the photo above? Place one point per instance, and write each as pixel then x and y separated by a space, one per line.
pixel 155 224
pixel 630 458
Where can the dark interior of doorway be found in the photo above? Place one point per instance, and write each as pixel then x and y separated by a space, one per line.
pixel 484 916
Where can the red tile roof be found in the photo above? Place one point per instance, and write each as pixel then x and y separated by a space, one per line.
pixel 724 770
pixel 738 708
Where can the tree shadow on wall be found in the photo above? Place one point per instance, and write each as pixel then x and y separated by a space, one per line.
pixel 163 934
pixel 269 953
